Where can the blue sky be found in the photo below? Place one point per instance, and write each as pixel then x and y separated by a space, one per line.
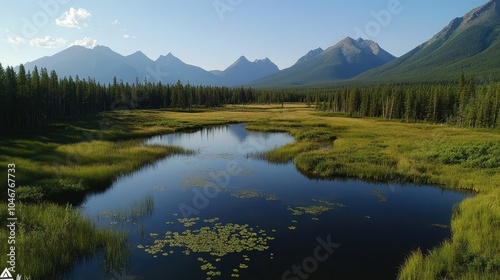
pixel 212 34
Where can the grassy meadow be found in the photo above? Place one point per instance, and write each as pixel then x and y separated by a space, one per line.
pixel 86 155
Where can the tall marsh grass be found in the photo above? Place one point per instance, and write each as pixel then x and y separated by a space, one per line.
pixel 52 238
pixel 416 153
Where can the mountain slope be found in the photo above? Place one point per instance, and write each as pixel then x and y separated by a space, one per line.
pixel 100 63
pixel 103 64
pixel 468 44
pixel 243 71
pixel 171 69
pixel 342 61
pixel 310 55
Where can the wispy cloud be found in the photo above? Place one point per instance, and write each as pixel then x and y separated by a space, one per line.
pixel 74 18
pixel 15 40
pixel 126 36
pixel 115 22
pixel 85 42
pixel 47 42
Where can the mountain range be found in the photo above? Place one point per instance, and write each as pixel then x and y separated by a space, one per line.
pixel 344 60
pixel 103 64
pixel 468 44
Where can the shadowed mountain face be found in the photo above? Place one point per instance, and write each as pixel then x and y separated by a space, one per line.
pixel 342 61
pixel 468 44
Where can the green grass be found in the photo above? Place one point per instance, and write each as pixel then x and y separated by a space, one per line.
pixel 50 238
pixel 63 165
pixel 473 251
pixel 450 157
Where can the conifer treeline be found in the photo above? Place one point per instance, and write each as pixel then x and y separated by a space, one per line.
pixel 464 103
pixel 31 100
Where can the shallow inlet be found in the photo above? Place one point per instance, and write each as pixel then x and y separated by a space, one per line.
pixel 289 215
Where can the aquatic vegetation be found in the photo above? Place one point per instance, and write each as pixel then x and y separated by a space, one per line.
pixel 219 240
pixel 365 149
pixel 472 252
pixel 271 197
pixel 211 221
pixel 294 211
pixel 440 226
pixel 138 210
pixel 312 210
pixel 160 189
pixel 197 181
pixel 380 196
pixel 216 240
pixel 55 237
pixel 188 222
pixel 328 203
pixel 247 194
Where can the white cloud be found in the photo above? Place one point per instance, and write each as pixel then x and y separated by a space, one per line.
pixel 47 42
pixel 126 36
pixel 15 40
pixel 115 22
pixel 85 42
pixel 74 18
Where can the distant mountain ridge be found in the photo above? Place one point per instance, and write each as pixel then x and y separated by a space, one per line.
pixel 103 64
pixel 243 71
pixel 468 44
pixel 346 59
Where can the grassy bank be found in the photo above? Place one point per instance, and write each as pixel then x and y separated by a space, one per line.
pixel 377 150
pixel 51 238
pixel 63 165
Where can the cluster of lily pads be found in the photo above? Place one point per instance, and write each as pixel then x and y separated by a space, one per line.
pixel 314 210
pixel 197 181
pixel 246 194
pixel 214 238
pixel 380 196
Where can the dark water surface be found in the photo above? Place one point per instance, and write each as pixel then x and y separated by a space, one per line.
pixel 370 228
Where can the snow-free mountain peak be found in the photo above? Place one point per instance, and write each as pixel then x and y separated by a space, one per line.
pixel 341 61
pixel 311 54
pixel 242 71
